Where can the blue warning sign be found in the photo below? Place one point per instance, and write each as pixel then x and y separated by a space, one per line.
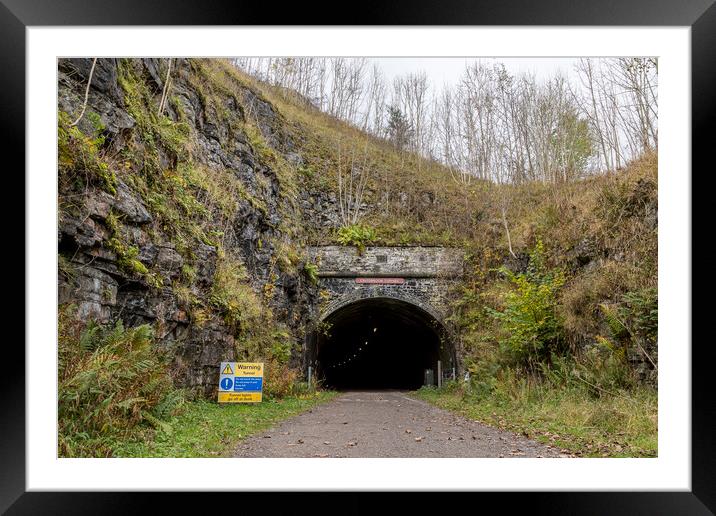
pixel 247 383
pixel 226 384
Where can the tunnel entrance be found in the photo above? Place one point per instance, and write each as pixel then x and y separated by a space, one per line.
pixel 381 343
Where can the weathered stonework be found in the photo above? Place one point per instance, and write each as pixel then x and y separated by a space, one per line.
pixel 423 276
pixel 408 262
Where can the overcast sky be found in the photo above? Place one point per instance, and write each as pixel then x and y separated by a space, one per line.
pixel 447 70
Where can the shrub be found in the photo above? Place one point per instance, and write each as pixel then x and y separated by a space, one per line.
pixel 280 379
pixel 112 385
pixel 529 328
pixel 640 311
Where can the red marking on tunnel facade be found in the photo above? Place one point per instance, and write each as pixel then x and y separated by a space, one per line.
pixel 381 281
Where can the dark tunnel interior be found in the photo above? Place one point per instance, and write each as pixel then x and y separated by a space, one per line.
pixel 380 343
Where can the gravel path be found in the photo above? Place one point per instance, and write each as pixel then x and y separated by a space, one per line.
pixel 387 424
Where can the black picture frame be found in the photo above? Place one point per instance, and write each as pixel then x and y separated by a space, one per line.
pixel 700 15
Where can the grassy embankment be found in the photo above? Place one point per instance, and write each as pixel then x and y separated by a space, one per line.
pixel 617 425
pixel 207 429
pixel 566 352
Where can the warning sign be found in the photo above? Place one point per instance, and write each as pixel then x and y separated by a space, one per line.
pixel 241 382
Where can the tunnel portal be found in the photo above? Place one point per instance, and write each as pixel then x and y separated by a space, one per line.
pixel 381 343
pixel 381 316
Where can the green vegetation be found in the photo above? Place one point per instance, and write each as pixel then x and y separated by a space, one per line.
pixel 311 270
pixel 233 297
pixel 81 158
pixel 127 254
pixel 356 235
pixel 569 416
pixel 207 429
pixel 113 386
pixel 528 329
pixel 116 397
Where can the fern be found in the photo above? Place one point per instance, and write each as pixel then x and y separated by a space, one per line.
pixel 169 405
pixel 109 378
pixel 157 423
pixel 356 235
pixel 616 327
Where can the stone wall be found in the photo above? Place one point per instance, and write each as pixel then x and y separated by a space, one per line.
pixel 423 276
pixel 408 262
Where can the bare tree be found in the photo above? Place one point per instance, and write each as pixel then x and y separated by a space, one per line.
pixel 84 103
pixel 491 125
pixel 352 180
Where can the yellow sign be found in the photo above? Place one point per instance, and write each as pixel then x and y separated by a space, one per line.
pixel 241 382
pixel 239 397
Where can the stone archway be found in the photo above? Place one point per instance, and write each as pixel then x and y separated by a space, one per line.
pixel 393 298
pixel 381 342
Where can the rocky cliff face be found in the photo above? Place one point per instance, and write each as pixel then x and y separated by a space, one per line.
pixel 158 210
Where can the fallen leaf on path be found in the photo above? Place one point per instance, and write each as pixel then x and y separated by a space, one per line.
pixel 326 442
pixel 418 439
pixel 408 431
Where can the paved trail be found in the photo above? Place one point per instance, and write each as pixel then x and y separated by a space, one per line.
pixel 386 424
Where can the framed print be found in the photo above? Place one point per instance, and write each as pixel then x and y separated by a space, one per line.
pixel 422 252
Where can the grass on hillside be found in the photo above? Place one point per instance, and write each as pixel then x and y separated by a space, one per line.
pixel 208 429
pixel 622 424
pixel 415 197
